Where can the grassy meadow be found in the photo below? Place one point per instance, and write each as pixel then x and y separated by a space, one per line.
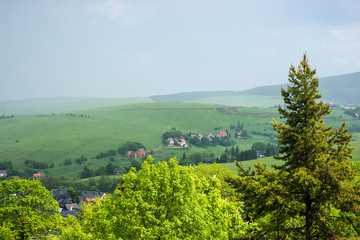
pixel 52 138
pixel 243 100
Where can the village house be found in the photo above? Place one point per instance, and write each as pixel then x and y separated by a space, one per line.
pixel 223 134
pixel 240 134
pixel 62 196
pixel 171 141
pixel 90 196
pixel 182 142
pixel 351 107
pixel 3 173
pixel 67 206
pixel 37 175
pixel 140 152
pixel 260 154
pixel 207 161
pixel 130 154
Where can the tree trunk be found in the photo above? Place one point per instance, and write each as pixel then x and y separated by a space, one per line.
pixel 309 220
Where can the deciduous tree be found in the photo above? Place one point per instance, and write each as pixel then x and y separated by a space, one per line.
pixel 165 201
pixel 27 209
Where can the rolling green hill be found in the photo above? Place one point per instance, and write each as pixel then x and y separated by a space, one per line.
pixel 55 137
pixel 52 138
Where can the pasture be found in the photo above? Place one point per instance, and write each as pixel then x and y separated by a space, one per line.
pixel 52 138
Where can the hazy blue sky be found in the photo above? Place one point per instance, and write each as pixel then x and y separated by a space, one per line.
pixel 123 48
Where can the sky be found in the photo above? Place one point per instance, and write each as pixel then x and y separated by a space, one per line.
pixel 139 48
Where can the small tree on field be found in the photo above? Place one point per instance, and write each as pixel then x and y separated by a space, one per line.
pixel 313 194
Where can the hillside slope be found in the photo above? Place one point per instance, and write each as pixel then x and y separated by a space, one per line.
pixel 342 89
pixel 54 138
pixel 64 104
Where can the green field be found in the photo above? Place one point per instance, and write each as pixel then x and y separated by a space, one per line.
pixel 242 100
pixel 53 138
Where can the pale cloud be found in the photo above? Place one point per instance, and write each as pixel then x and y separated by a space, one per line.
pixel 344 39
pixel 346 34
pixel 109 8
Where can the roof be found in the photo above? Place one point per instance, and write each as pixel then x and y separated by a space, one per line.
pixel 223 133
pixel 60 194
pixel 71 206
pixel 2 171
pixel 91 194
pixel 140 151
pixel 67 213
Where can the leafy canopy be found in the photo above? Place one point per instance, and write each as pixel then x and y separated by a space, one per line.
pixel 165 201
pixel 27 209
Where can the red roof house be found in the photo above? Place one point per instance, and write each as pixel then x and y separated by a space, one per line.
pixel 182 142
pixel 140 152
pixel 223 134
pixel 37 175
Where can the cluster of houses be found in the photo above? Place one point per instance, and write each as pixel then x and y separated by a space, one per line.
pixel 181 142
pixel 210 136
pixel 138 154
pixel 68 207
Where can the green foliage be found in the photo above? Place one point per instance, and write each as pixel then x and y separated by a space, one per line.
pixel 36 164
pixel 312 194
pixel 86 173
pixel 67 162
pixel 173 133
pixel 81 159
pixel 165 201
pixel 8 166
pixel 26 209
pixel 50 182
pixel 108 153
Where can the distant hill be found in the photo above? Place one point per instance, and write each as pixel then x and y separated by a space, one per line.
pixel 340 89
pixel 190 96
pixel 64 104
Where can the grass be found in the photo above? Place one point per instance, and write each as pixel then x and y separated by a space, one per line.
pixel 242 100
pixel 54 138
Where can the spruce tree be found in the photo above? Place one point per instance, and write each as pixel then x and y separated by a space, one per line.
pixel 312 195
